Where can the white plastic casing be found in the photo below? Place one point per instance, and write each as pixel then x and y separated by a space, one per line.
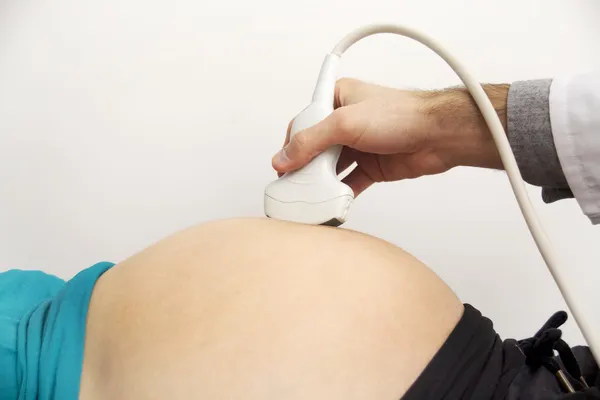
pixel 313 194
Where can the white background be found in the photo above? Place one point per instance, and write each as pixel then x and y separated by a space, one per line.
pixel 122 121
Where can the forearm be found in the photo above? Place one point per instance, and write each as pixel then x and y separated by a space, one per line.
pixel 523 109
pixel 455 116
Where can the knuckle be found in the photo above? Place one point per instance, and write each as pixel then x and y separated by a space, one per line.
pixel 342 87
pixel 343 123
pixel 300 142
pixel 346 83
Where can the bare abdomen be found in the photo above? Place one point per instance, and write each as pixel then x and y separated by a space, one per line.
pixel 260 309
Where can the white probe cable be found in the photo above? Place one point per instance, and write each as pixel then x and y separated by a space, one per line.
pixel 591 335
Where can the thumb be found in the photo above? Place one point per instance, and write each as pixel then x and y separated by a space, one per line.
pixel 339 128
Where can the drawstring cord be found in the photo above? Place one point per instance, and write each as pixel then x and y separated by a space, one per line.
pixel 539 352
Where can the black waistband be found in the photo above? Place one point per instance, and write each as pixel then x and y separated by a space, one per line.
pixel 470 365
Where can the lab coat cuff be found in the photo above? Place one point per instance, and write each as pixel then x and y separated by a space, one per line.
pixel 530 136
pixel 574 104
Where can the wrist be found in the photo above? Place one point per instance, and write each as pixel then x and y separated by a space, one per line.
pixel 456 125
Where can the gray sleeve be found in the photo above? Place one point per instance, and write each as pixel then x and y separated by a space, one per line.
pixel 530 136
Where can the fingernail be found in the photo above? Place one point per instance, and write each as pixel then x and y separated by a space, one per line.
pixel 281 158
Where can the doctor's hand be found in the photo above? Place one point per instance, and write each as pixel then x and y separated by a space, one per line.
pixel 394 134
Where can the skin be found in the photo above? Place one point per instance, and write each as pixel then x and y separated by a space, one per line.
pixel 295 312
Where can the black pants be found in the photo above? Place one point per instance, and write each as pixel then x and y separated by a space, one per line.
pixel 475 364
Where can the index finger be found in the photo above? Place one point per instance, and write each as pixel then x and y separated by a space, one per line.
pixel 287 135
pixel 286 141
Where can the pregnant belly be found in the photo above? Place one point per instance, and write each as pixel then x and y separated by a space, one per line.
pixel 260 309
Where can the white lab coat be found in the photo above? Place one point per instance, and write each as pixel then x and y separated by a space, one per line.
pixel 575 118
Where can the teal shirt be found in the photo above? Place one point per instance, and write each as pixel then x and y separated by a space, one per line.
pixel 42 333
